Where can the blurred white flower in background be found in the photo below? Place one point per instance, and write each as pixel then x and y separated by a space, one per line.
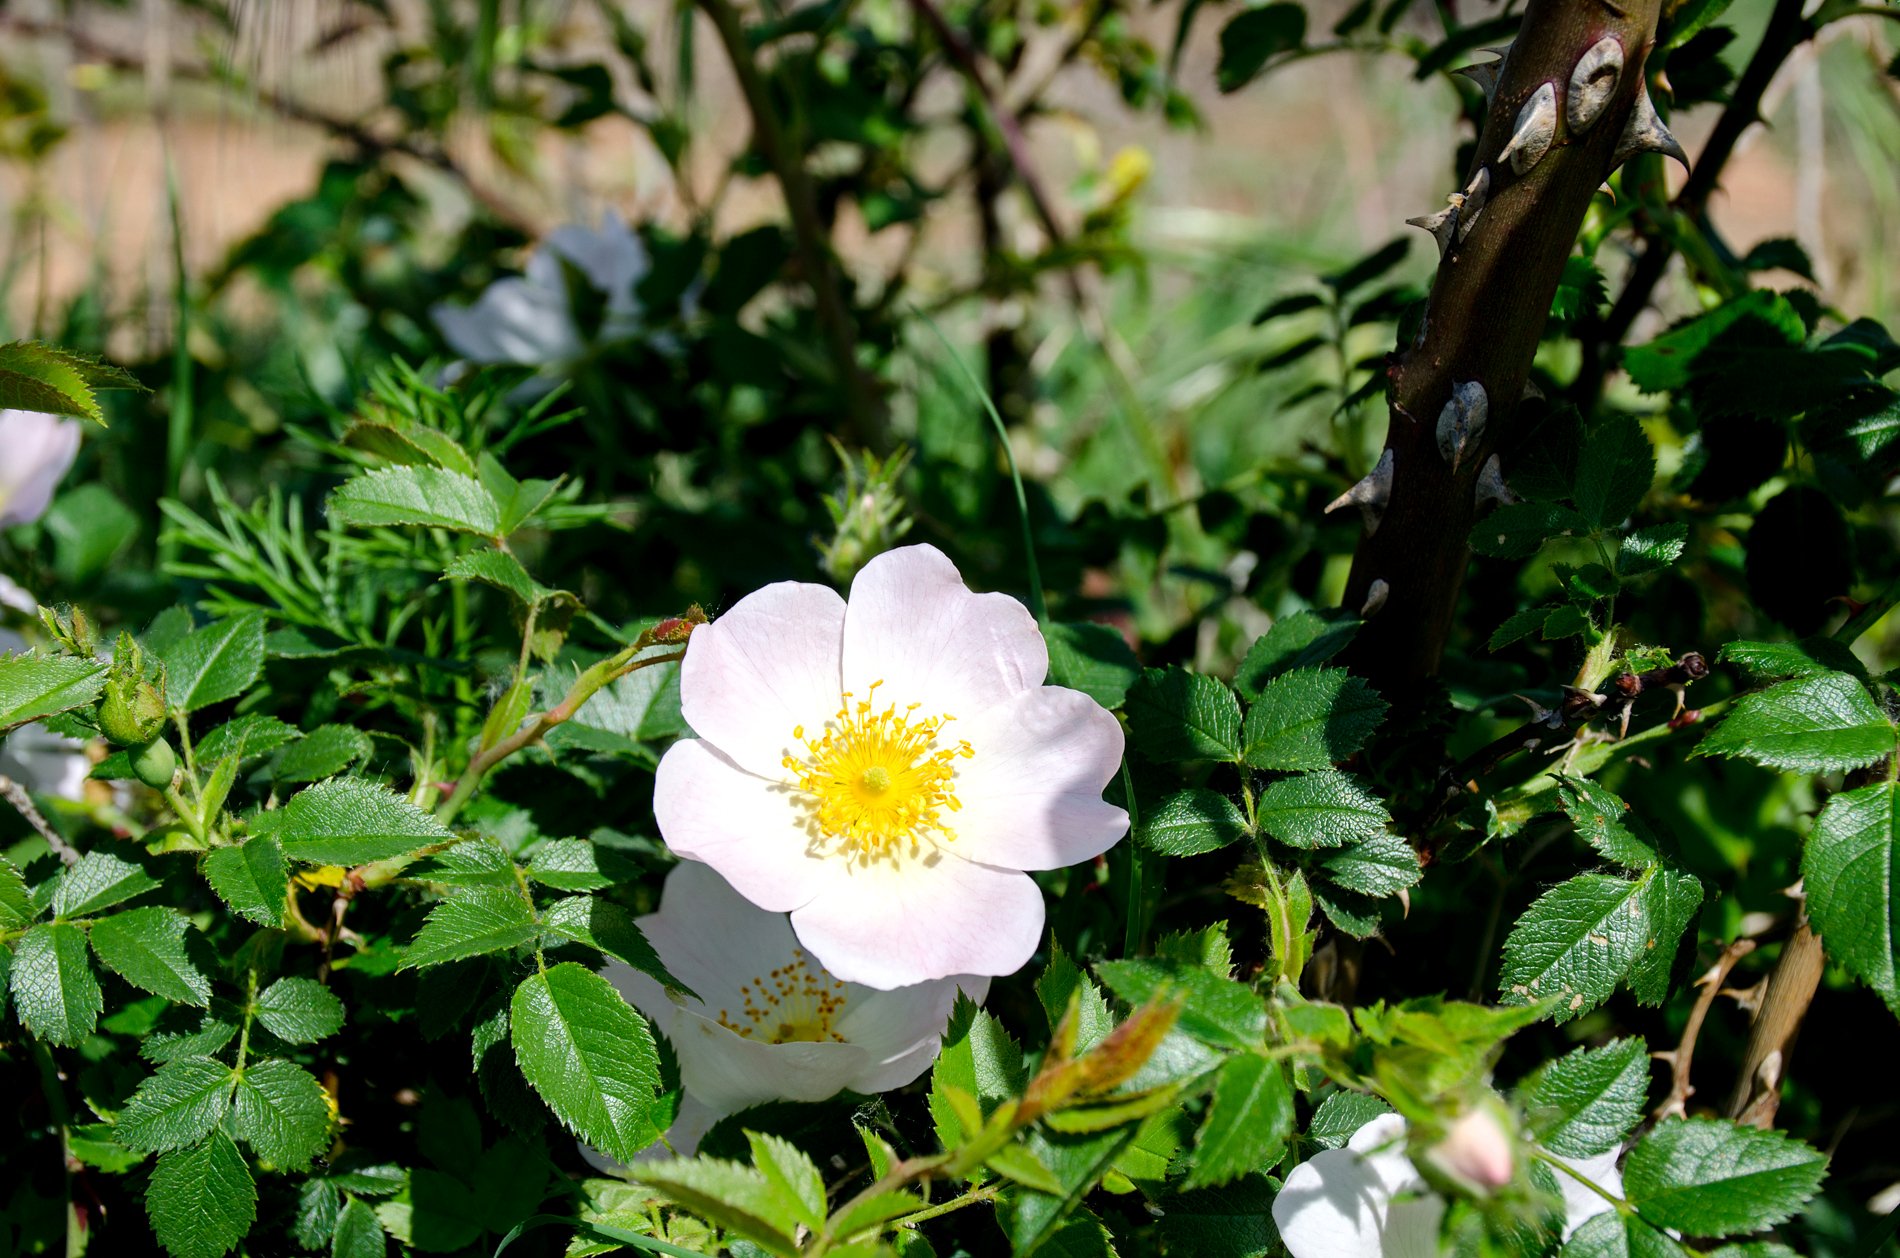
pixel 35 757
pixel 770 1024
pixel 1367 1200
pixel 36 449
pixel 529 320
pixel 886 774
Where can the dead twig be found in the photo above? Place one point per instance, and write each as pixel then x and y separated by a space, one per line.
pixel 23 804
pixel 1675 1105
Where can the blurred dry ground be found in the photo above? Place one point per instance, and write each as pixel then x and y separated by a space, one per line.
pixel 1317 162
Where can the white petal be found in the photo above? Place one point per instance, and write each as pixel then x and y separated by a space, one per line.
pixel 765 668
pixel 1032 793
pixel 730 1073
pixel 890 924
pixel 900 1030
pixel 1381 1143
pixel 747 828
pixel 1412 1225
pixel 38 450
pixel 712 938
pixel 1332 1206
pixel 1580 1204
pixel 915 627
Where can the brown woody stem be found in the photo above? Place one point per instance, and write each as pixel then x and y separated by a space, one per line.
pixel 1682 1057
pixel 1487 312
pixel 810 239
pixel 1771 1039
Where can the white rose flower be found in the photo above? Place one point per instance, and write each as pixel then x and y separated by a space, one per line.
pixel 1367 1200
pixel 529 319
pixel 36 449
pixel 886 774
pixel 769 1024
pixel 34 756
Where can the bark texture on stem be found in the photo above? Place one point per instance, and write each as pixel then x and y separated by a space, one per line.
pixel 1771 1039
pixel 1487 312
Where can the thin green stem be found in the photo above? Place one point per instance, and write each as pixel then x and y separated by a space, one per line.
pixel 987 1192
pixel 1134 932
pixel 1037 604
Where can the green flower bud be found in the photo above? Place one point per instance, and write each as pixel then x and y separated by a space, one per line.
pixel 155 764
pixel 133 711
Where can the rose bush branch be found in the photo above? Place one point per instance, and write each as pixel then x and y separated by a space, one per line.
pixel 1503 241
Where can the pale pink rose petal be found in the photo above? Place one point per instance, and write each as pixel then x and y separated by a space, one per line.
pixel 1031 794
pixel 1332 1206
pixel 730 1073
pixel 892 923
pixel 917 629
pixel 764 669
pixel 36 451
pixel 752 831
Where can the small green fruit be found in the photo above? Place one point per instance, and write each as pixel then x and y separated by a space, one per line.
pixel 155 763
pixel 133 711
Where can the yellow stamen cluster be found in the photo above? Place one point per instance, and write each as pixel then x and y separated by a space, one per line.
pixel 796 1002
pixel 876 782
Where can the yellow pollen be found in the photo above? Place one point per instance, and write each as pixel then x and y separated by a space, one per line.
pixel 797 1002
pixel 875 781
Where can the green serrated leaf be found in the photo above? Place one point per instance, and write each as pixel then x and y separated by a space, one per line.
pixel 1806 658
pixel 604 925
pixel 16 902
pixel 1519 530
pixel 1650 549
pixel 1615 470
pixel 1583 1104
pixel 1323 809
pixel 281 1112
pixel 177 1106
pixel 1576 943
pixel 1517 627
pixel 471 923
pixel 1190 822
pixel 359 1233
pixel 146 948
pixel 1311 719
pixel 589 1056
pixel 1340 1115
pixel 299 1010
pixel 1177 715
pixel 54 989
pixel 576 865
pixel 499 569
pixel 1248 1122
pixel 217 662
pixel 1708 1177
pixel 98 881
pixel 981 1063
pixel 322 753
pixel 736 1197
pixel 794 1176
pixel 202 1200
pixel 430 497
pixel 1092 658
pixel 1617 1235
pixel 33 686
pixel 1600 819
pixel 1826 723
pixel 1850 869
pixel 251 878
pixel 351 821
pixel 1062 982
pixel 247 737
pixel 1215 1010
pixel 1376 866
pixel 1301 640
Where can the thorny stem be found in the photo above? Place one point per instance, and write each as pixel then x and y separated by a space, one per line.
pixel 584 688
pixel 987 1192
pixel 1675 1105
pixel 1791 988
pixel 1488 307
pixel 808 232
pixel 23 804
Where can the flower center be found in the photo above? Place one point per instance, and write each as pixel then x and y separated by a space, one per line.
pixel 876 782
pixel 797 1002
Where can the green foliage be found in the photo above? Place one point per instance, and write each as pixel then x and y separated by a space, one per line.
pixel 1705 1177
pixel 1584 1103
pixel 589 1056
pixel 1820 723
